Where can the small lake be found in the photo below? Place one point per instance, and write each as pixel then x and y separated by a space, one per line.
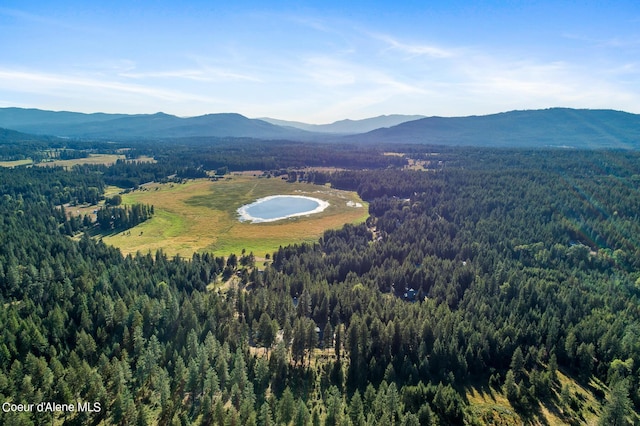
pixel 277 207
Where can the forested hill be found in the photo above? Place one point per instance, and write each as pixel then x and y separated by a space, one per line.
pixel 127 127
pixel 555 127
pixel 18 146
pixel 12 137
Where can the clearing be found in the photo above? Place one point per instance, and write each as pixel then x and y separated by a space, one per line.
pixel 200 215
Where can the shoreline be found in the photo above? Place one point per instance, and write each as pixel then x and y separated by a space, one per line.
pixel 246 217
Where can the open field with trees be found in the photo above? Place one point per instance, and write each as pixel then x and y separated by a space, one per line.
pixel 106 159
pixel 200 215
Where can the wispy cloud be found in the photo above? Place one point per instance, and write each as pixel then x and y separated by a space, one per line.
pixel 340 73
pixel 414 49
pixel 311 22
pixel 328 71
pixel 41 20
pixel 203 75
pixel 628 69
pixel 71 86
pixel 103 66
pixel 511 84
pixel 21 14
pixel 618 42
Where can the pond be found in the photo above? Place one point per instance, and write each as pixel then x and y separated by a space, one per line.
pixel 277 207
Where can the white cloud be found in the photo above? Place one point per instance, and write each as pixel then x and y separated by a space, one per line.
pixel 108 66
pixel 414 49
pixel 606 43
pixel 202 75
pixel 83 86
pixel 505 84
pixel 327 71
pixel 629 69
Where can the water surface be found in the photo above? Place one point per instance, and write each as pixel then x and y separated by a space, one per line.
pixel 277 207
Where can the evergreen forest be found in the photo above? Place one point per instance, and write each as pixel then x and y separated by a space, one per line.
pixel 507 272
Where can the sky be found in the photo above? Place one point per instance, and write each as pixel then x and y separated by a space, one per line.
pixel 319 62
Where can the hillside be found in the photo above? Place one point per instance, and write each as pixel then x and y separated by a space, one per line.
pixel 159 125
pixel 16 145
pixel 10 136
pixel 555 127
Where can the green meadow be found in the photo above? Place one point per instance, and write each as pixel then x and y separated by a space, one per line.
pixel 201 215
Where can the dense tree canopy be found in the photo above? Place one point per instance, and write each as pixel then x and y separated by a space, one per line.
pixel 490 268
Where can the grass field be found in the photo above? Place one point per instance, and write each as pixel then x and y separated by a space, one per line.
pixel 200 215
pixel 15 163
pixel 91 159
pixel 493 407
pixel 106 159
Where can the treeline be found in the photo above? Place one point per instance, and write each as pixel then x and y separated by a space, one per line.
pixel 132 174
pixel 192 158
pixel 114 218
pixel 240 154
pixel 19 146
pixel 51 185
pixel 72 154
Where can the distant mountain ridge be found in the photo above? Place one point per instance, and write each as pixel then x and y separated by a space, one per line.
pixel 553 127
pixel 349 126
pixel 123 126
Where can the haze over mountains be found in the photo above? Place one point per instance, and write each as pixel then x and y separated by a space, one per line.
pixel 559 127
pixel 349 126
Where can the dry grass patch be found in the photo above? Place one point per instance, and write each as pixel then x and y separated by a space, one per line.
pixel 491 406
pixel 106 159
pixel 16 163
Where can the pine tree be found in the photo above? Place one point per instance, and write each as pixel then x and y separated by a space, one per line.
pixel 286 407
pixel 618 406
pixel 265 418
pixel 302 416
pixel 553 367
pixel 356 410
pixel 517 364
pixel 511 388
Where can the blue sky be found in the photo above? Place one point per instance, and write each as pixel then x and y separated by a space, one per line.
pixel 319 62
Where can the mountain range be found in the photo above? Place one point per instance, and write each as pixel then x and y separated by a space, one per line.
pixel 123 126
pixel 559 127
pixel 348 126
pixel 554 127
